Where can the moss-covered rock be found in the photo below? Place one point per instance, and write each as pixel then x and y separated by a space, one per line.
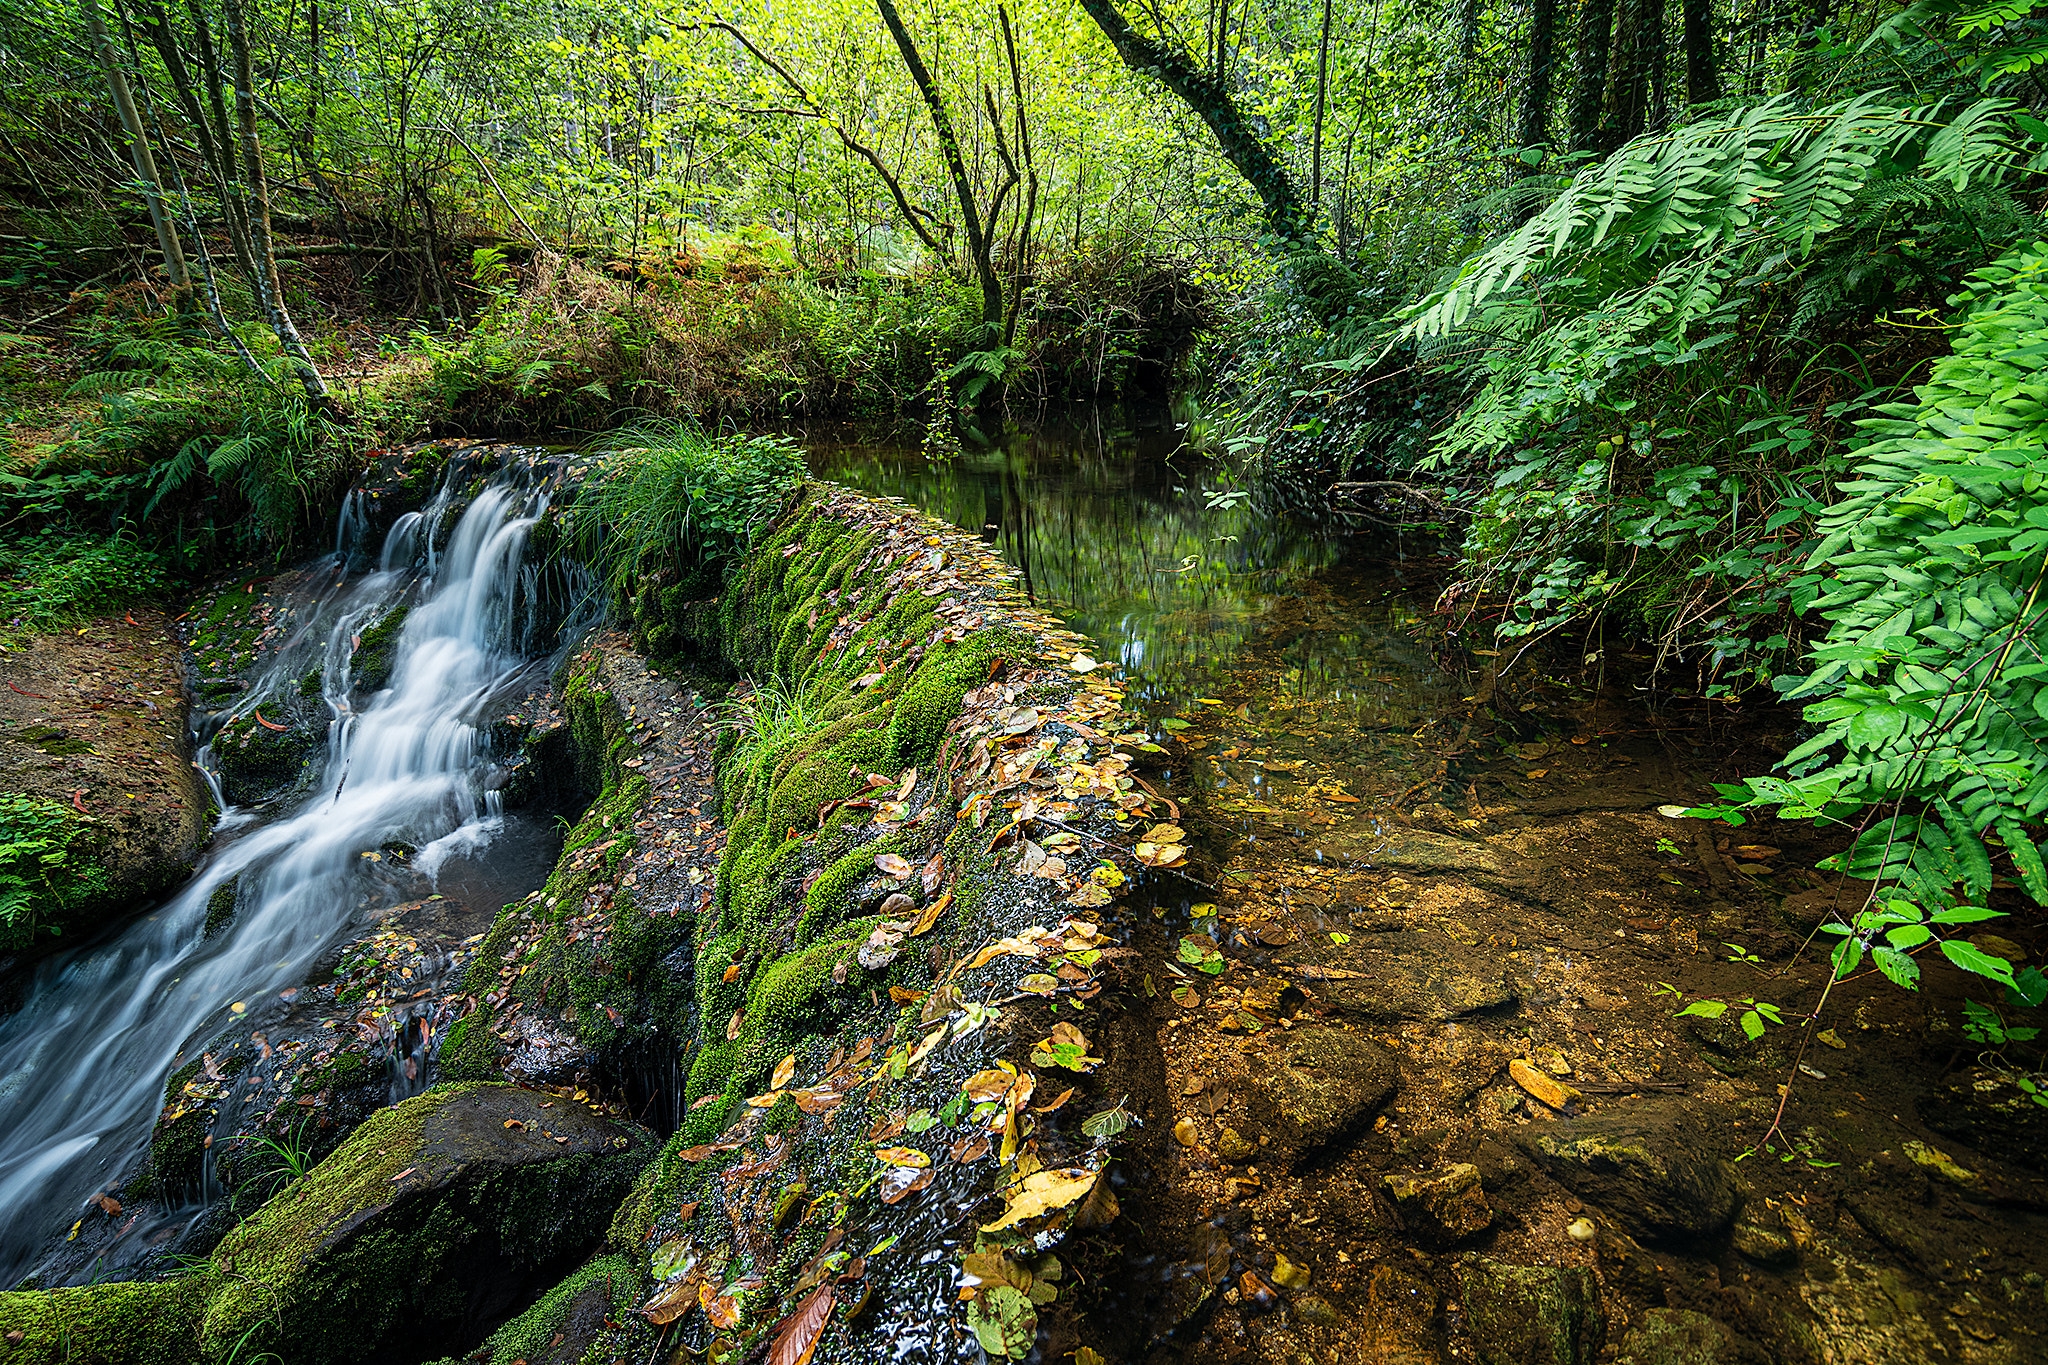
pixel 569 1319
pixel 1531 1315
pixel 260 757
pixel 370 669
pixel 105 1324
pixel 1645 1167
pixel 430 1217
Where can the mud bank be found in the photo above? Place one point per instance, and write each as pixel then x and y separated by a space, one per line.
pixel 96 761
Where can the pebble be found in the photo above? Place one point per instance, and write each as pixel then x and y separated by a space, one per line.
pixel 1580 1230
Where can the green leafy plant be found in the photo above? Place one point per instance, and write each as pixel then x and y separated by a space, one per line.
pixel 1755 1016
pixel 38 873
pixel 674 497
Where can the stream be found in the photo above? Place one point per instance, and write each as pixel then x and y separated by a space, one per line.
pixel 1432 862
pixel 82 1061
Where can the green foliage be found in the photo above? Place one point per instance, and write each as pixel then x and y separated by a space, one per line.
pixel 1931 688
pixel 52 579
pixel 39 874
pixel 673 497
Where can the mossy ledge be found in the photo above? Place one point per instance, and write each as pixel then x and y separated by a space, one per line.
pixel 448 1209
pixel 900 701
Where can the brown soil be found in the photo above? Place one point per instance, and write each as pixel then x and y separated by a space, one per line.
pixel 1338 1163
pixel 95 718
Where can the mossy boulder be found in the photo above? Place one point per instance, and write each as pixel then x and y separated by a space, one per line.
pixel 1531 1314
pixel 376 650
pixel 570 1318
pixel 434 1219
pixel 442 1212
pixel 258 762
pixel 1644 1167
pixel 1315 1085
pixel 1679 1336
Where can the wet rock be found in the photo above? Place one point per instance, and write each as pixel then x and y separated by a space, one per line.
pixel 94 745
pixel 1441 1206
pixel 445 1210
pixel 1892 1200
pixel 1760 1235
pixel 1531 1315
pixel 540 1052
pixel 1317 1312
pixel 1643 1167
pixel 1988 1110
pixel 1313 1085
pixel 1235 1146
pixel 1678 1336
pixel 562 1328
pixel 437 1214
pixel 1860 1312
pixel 1724 1046
pixel 1421 975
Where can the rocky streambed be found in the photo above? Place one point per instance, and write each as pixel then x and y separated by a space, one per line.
pixel 901 981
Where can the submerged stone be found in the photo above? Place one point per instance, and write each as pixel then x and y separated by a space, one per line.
pixel 1677 1336
pixel 1642 1166
pixel 1443 1205
pixel 1531 1315
pixel 1315 1085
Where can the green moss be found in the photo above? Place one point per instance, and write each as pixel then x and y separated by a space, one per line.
pixel 133 1323
pixel 468 1051
pixel 608 1287
pixel 370 670
pixel 347 1071
pixel 220 906
pixel 53 739
pixel 256 761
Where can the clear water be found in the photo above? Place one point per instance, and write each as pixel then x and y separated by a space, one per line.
pixel 81 1063
pixel 1272 638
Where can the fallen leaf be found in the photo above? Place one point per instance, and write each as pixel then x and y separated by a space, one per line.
pixel 931 915
pixel 796 1336
pixel 1039 983
pixel 904 1181
pixel 901 1156
pixel 1166 834
pixel 732 1028
pixel 1161 855
pixel 1288 1275
pixel 1544 1087
pixel 970 1149
pixel 892 865
pixel 1185 997
pixel 1081 663
pixel 934 873
pixel 670 1302
pixel 785 1072
pixel 1042 1193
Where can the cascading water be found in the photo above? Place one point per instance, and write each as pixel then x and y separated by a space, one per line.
pixel 82 1061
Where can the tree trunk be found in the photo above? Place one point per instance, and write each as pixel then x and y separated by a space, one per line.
pixel 1315 176
pixel 1589 72
pixel 979 246
pixel 269 291
pixel 1638 55
pixel 1533 129
pixel 145 160
pixel 1702 80
pixel 1207 96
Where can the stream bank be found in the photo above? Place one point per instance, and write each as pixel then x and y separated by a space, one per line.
pixel 1396 1077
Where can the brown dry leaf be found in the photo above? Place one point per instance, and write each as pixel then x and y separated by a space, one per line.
pixel 983 1086
pixel 970 1148
pixel 901 1156
pixel 994 1267
pixel 1161 855
pixel 722 1309
pixel 796 1336
pixel 1065 1095
pixel 1064 1032
pixel 934 873
pixel 892 865
pixel 1185 997
pixel 1099 1209
pixel 818 1101
pixel 1276 936
pixel 901 995
pixel 1044 1192
pixel 907 786
pixel 785 1072
pixel 671 1301
pixel 931 915
pixel 731 972
pixel 1166 834
pixel 903 1182
pixel 732 1028
pixel 109 1205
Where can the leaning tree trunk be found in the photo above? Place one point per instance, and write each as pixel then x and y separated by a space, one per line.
pixel 269 290
pixel 1206 94
pixel 1637 58
pixel 144 158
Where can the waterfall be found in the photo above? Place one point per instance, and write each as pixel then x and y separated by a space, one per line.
pixel 82 1062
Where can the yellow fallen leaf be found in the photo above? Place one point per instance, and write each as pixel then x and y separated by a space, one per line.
pixel 785 1072
pixel 901 1156
pixel 1042 1193
pixel 931 915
